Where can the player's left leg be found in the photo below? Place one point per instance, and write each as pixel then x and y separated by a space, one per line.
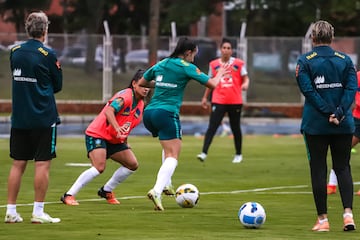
pixel 129 165
pixel 234 112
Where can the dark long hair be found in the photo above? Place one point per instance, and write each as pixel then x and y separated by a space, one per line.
pixel 184 44
pixel 137 76
pixel 139 73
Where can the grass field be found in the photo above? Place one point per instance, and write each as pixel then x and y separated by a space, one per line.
pixel 274 172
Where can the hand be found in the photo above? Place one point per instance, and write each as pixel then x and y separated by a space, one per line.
pixel 333 119
pixel 204 103
pixel 224 70
pixel 121 131
pixel 245 86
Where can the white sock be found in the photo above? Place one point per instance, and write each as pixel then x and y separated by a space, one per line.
pixel 332 178
pixel 165 173
pixel 119 176
pixel 162 161
pixel 321 221
pixel 82 180
pixel 348 215
pixel 38 208
pixel 11 209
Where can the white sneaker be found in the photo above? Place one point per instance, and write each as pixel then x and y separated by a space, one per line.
pixel 201 156
pixel 9 218
pixel 156 198
pixel 45 218
pixel 237 159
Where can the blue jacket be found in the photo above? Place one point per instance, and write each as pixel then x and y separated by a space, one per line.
pixel 327 79
pixel 36 76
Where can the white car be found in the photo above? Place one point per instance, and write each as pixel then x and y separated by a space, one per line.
pixel 76 56
pixel 140 58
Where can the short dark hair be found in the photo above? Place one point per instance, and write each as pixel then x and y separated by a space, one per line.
pixel 225 40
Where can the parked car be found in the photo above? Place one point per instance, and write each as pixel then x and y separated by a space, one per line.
pixel 292 60
pixel 267 62
pixel 140 58
pixel 76 56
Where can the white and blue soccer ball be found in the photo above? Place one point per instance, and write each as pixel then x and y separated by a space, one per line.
pixel 252 215
pixel 187 195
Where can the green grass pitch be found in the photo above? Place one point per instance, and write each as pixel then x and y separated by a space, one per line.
pixel 274 172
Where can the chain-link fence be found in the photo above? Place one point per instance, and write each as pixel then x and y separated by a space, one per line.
pixel 270 62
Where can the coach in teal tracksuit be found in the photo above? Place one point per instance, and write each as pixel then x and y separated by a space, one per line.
pixel 327 79
pixel 36 76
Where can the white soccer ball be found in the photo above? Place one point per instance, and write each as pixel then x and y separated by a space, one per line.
pixel 187 195
pixel 252 215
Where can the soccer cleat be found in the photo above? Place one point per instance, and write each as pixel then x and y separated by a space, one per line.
pixel 237 159
pixel 358 193
pixel 321 227
pixel 349 224
pixel 69 200
pixel 331 189
pixel 201 157
pixel 156 198
pixel 9 218
pixel 169 190
pixel 109 196
pixel 45 218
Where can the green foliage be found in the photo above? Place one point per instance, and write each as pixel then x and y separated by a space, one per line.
pixel 19 9
pixel 264 18
pixel 274 172
pixel 185 13
pixel 87 15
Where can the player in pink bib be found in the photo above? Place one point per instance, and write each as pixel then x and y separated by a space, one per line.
pixel 106 137
pixel 226 98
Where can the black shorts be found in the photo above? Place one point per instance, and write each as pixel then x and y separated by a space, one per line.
pixel 33 144
pixel 94 143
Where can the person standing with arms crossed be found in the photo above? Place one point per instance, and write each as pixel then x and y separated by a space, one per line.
pixel 169 77
pixel 226 98
pixel 37 75
pixel 106 137
pixel 327 79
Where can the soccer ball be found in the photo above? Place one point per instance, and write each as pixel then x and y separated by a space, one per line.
pixel 252 215
pixel 187 195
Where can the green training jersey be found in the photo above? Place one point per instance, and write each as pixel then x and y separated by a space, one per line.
pixel 171 76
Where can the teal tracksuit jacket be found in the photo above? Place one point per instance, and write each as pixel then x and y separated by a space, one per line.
pixel 36 76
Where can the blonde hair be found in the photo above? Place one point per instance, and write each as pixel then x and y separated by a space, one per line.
pixel 36 24
pixel 322 32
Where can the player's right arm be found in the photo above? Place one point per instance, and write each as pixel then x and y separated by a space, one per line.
pixel 205 98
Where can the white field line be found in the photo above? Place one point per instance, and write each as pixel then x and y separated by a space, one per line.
pixel 78 164
pixel 256 190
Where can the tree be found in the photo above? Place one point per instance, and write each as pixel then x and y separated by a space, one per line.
pixel 19 9
pixel 88 13
pixel 153 30
pixel 184 13
pixel 293 17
